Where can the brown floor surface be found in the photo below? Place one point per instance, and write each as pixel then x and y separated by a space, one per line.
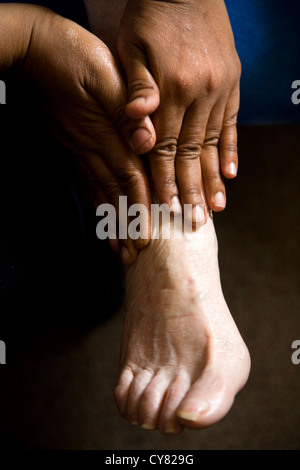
pixel 57 394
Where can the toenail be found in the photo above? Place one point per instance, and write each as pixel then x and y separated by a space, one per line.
pixel 190 416
pixel 170 429
pixel 134 423
pixel 149 427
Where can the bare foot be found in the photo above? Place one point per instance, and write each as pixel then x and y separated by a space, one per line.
pixel 182 357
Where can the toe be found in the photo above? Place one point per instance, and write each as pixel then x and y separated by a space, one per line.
pixel 138 385
pixel 168 422
pixel 152 400
pixel 207 402
pixel 122 389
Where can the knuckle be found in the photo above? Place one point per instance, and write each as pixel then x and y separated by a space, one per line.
pixel 211 85
pixel 183 85
pixel 225 76
pixel 214 80
pixel 189 151
pixel 212 137
pixel 231 120
pixel 130 181
pixel 191 190
pixel 137 86
pixel 180 82
pixel 166 148
pixel 167 183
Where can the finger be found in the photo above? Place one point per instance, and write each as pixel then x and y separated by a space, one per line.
pixel 167 121
pixel 94 193
pixel 129 172
pixel 187 163
pixel 140 135
pixel 111 93
pixel 143 92
pixel 210 164
pixel 112 192
pixel 228 139
pixel 132 179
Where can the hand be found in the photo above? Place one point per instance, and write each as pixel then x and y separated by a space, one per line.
pixel 84 96
pixel 181 64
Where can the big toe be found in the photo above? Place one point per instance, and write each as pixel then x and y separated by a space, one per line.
pixel 209 400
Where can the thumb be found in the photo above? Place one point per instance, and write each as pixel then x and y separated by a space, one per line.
pixel 143 92
pixel 111 92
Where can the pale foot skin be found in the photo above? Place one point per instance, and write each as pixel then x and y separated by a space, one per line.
pixel 182 357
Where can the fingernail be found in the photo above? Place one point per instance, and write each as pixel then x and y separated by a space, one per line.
pixel 198 215
pixel 232 170
pixel 139 100
pixel 189 416
pixel 140 138
pixel 220 200
pixel 176 206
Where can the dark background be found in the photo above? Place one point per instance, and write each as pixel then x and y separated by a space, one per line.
pixel 61 290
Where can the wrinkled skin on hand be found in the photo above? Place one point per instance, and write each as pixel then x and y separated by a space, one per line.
pixel 181 64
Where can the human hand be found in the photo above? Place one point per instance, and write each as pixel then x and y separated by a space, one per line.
pixel 181 64
pixel 84 96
